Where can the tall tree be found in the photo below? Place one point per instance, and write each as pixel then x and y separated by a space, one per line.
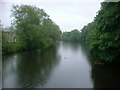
pixel 85 32
pixel 105 38
pixel 30 23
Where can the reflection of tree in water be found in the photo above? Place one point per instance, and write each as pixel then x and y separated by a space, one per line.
pixel 85 49
pixel 75 46
pixel 35 68
pixel 106 76
pixel 71 45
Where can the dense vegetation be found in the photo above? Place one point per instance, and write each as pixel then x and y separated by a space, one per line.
pixel 103 34
pixel 34 30
pixel 79 35
pixel 73 36
pixel 85 32
pixel 105 37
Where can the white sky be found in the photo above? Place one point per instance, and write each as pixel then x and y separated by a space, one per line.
pixel 68 14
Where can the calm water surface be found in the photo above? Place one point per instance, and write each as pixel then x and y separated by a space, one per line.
pixel 66 66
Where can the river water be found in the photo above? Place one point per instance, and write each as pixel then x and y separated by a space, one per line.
pixel 66 66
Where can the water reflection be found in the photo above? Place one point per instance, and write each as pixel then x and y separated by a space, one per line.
pixel 28 69
pixel 74 67
pixel 73 46
pixel 106 76
pixel 67 66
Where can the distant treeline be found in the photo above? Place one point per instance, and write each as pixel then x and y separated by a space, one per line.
pixel 73 36
pixel 102 35
pixel 78 35
pixel 32 28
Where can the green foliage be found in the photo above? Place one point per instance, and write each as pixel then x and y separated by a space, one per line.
pixel 105 37
pixel 77 36
pixel 10 48
pixel 85 32
pixel 73 36
pixel 34 29
pixel 52 30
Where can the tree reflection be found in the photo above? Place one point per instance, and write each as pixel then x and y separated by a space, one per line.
pixel 106 76
pixel 74 46
pixel 35 68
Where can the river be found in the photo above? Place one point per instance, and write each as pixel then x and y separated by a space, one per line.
pixel 66 66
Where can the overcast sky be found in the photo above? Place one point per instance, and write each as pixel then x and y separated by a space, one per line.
pixel 68 14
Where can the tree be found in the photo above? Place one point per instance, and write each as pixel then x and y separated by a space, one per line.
pixel 28 20
pixel 34 27
pixel 105 38
pixel 73 36
pixel 85 32
pixel 52 30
